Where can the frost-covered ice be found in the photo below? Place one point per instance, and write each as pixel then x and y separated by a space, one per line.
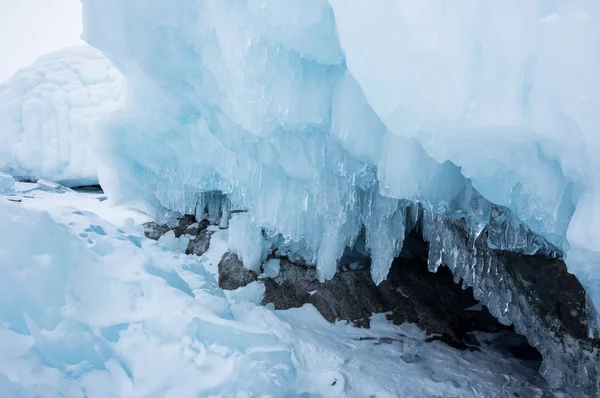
pixel 91 308
pixel 509 91
pixel 318 128
pixel 47 112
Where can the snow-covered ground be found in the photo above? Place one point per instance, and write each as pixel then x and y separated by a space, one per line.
pixel 89 307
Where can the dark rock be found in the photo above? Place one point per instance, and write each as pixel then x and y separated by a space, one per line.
pixel 200 244
pixel 184 223
pixel 154 231
pixel 551 290
pixel 232 273
pixel 523 281
pixel 348 296
pixel 411 293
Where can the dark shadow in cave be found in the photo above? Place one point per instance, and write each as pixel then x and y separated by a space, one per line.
pixel 443 308
pixel 411 293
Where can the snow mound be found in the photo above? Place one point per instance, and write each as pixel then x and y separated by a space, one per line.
pixel 94 312
pixel 48 111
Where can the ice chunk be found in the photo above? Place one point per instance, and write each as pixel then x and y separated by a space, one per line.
pixel 247 241
pixel 48 111
pixel 272 268
pixel 178 245
pixel 7 183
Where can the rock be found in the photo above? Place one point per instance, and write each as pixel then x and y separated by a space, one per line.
pixel 200 244
pixel 554 294
pixel 154 231
pixel 411 294
pixel 184 223
pixel 232 273
pixel 350 295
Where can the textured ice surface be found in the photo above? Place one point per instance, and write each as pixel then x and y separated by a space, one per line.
pixel 245 99
pixel 509 91
pixel 264 101
pixel 91 308
pixel 47 111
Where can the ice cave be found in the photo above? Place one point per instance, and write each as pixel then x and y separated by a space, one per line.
pixel 305 198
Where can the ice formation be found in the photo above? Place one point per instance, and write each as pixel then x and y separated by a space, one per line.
pixel 270 109
pixel 7 183
pixel 47 112
pixel 506 90
pixel 323 120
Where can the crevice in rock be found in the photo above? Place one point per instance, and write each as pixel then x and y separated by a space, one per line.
pixel 95 188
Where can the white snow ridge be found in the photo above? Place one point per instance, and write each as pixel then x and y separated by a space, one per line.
pixel 47 114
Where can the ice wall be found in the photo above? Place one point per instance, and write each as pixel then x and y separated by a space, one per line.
pixel 264 101
pixel 254 99
pixel 509 91
pixel 47 112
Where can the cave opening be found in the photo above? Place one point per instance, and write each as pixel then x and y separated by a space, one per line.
pixel 446 310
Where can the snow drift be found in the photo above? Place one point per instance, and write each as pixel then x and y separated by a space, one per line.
pixel 47 112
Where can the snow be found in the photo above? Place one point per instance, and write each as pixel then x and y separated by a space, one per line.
pixel 89 307
pixel 48 111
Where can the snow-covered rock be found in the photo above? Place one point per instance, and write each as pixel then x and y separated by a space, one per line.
pixel 47 114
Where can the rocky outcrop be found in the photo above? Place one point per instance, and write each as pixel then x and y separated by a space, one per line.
pixel 200 244
pixel 232 273
pixel 410 294
pixel 528 287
